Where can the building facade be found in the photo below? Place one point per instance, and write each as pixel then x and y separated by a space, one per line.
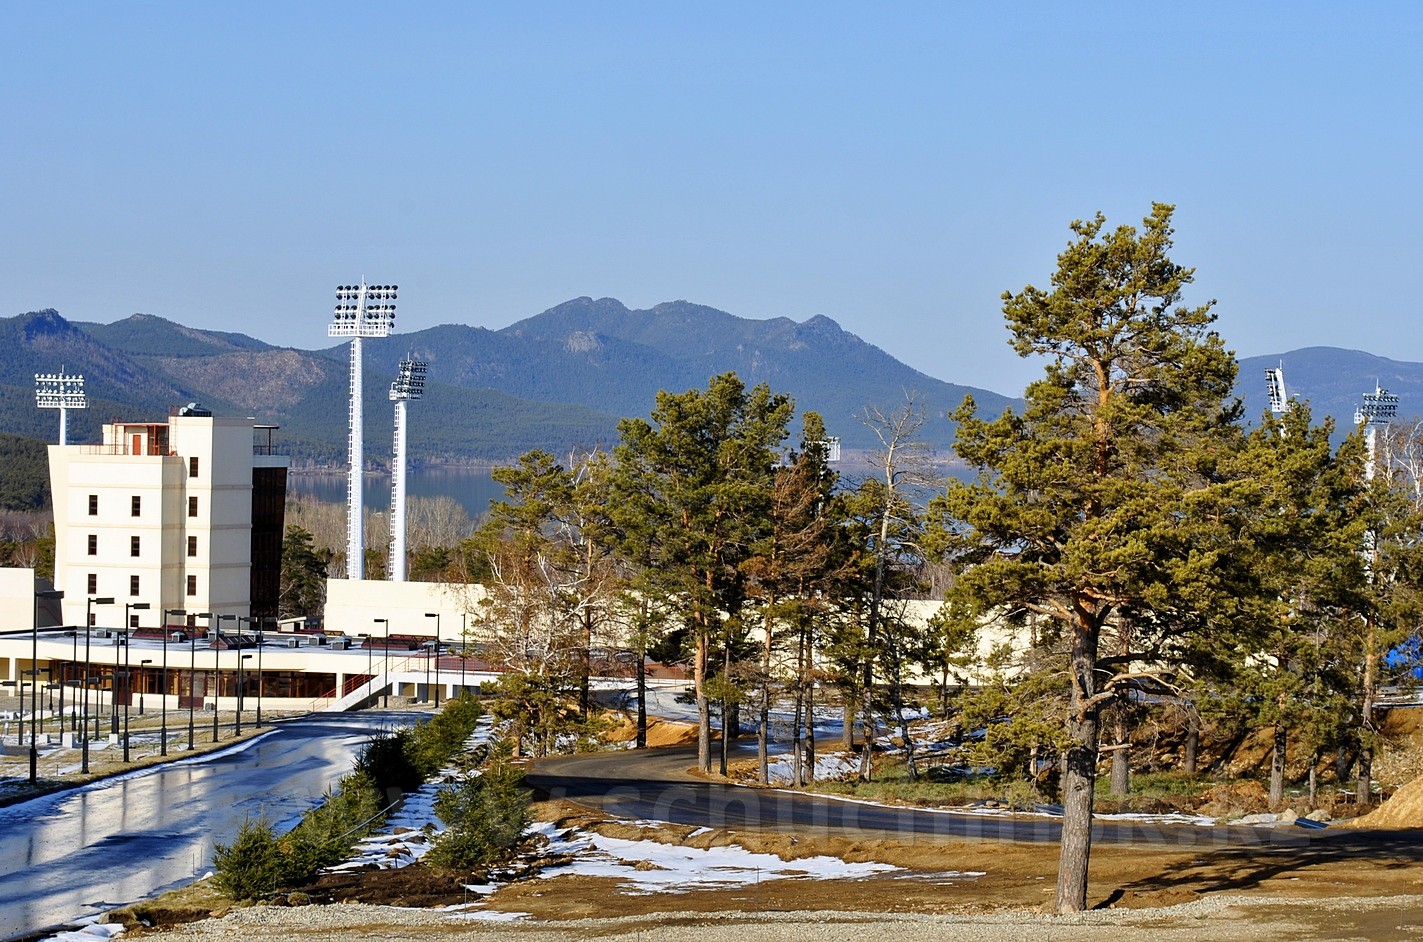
pixel 184 514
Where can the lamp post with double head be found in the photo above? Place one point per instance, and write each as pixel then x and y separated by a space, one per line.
pixel 88 624
pixel 193 670
pixel 436 654
pixel 385 664
pixel 35 670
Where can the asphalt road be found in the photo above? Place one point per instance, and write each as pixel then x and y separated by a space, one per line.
pixel 70 854
pixel 654 784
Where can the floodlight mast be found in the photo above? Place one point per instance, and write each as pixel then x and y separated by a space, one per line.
pixel 1275 382
pixel 361 311
pixel 409 385
pixel 63 392
pixel 1379 409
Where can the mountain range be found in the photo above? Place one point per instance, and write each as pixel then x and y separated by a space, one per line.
pixel 557 380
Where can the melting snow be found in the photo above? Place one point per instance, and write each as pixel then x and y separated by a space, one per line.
pixel 646 866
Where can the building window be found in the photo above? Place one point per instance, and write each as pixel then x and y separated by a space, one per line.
pixel 135 503
pixel 93 505
pixel 92 584
pixel 193 467
pixel 192 506
pixel 192 546
pixel 133 585
pixel 133 621
pixel 133 546
pixel 93 544
pixel 192 585
pixel 93 619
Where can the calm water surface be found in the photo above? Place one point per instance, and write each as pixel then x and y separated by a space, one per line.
pixel 472 488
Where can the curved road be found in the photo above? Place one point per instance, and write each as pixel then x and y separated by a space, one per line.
pixel 654 785
pixel 73 853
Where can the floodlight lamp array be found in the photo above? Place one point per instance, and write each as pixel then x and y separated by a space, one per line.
pixel 59 391
pixel 409 381
pixel 1379 408
pixel 364 311
pixel 1275 383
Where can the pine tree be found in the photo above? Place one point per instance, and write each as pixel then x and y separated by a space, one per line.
pixel 690 496
pixel 1082 512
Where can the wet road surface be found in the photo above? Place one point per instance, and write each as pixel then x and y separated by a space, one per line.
pixel 75 853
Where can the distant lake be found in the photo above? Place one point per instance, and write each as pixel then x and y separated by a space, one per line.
pixel 472 488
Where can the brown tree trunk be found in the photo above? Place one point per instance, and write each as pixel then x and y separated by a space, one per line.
pixel 642 700
pixel 730 719
pixel 585 667
pixel 1365 781
pixel 809 730
pixel 763 728
pixel 1121 755
pixel 847 732
pixel 1193 745
pixel 1277 766
pixel 699 679
pixel 1079 773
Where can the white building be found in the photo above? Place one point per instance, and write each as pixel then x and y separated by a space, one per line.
pixel 185 514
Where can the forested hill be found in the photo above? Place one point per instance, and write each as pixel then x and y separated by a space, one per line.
pixel 604 356
pixel 559 380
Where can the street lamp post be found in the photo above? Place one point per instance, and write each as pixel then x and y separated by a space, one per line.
pixel 193 671
pixel 436 616
pixel 88 619
pixel 163 747
pixel 255 623
pixel 128 674
pixel 35 667
pixel 217 673
pixel 128 695
pixel 113 691
pixel 464 644
pixel 385 669
pixel 142 687
pixel 74 662
pixel 260 640
pixel 237 727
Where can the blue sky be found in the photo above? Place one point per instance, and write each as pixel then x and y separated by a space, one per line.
pixel 894 166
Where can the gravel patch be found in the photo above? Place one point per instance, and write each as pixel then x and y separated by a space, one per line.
pixel 1219 918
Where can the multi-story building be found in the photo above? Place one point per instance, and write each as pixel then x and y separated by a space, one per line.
pixel 184 514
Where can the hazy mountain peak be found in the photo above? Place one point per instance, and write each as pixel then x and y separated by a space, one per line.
pixel 42 323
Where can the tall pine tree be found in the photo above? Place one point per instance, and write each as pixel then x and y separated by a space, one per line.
pixel 1081 513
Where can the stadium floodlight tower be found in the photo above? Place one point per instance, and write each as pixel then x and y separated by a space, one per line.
pixel 1378 410
pixel 409 384
pixel 63 392
pixel 361 311
pixel 1275 383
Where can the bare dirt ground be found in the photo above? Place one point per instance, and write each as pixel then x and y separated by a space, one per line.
pixel 1364 883
pixel 1368 886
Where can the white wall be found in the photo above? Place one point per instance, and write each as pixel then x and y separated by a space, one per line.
pixel 352 605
